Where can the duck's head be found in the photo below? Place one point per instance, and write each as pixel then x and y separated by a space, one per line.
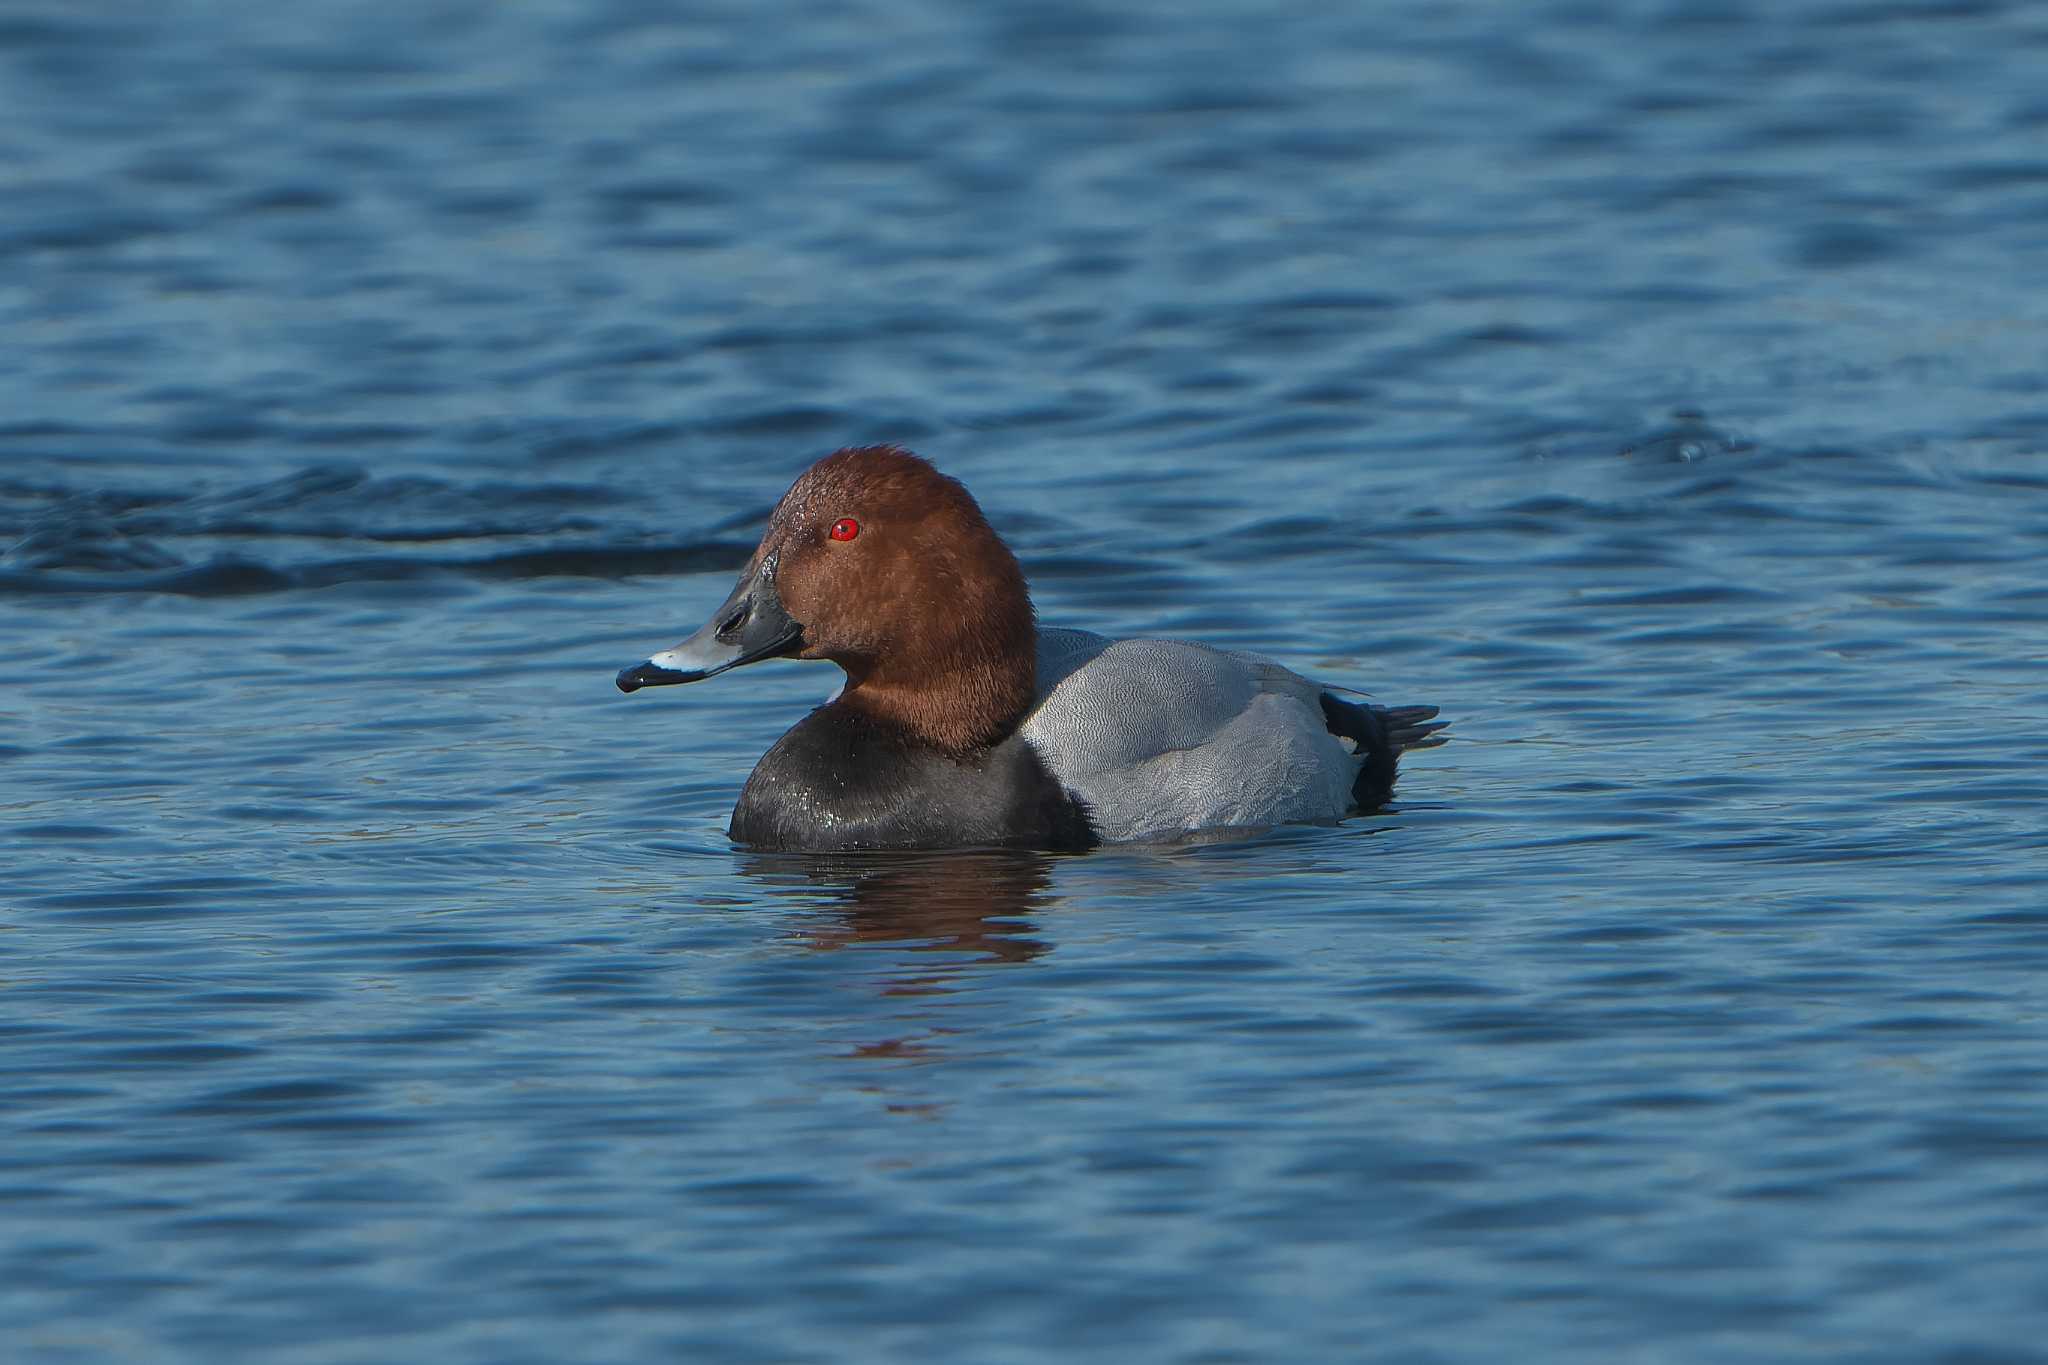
pixel 875 560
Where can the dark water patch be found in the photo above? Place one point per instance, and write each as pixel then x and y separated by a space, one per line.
pixel 325 502
pixel 1451 989
pixel 1979 1139
pixel 253 999
pixel 177 1054
pixel 2031 480
pixel 1996 175
pixel 62 833
pixel 433 1039
pixel 1691 595
pixel 1858 14
pixel 272 815
pixel 449 957
pixel 82 228
pixel 497 206
pixel 116 907
pixel 633 196
pixel 292 198
pixel 355 1126
pixel 1835 245
pixel 234 576
pixel 271 1096
pixel 1616 933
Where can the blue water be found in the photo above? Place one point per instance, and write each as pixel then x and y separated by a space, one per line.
pixel 1660 387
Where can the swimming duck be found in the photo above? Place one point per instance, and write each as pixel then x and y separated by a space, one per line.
pixel 962 723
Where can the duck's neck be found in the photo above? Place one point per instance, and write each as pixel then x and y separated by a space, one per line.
pixel 959 706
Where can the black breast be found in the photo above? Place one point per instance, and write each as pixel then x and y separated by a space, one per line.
pixel 841 781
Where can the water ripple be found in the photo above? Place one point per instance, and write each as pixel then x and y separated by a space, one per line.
pixel 1645 384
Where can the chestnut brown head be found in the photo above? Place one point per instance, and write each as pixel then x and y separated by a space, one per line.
pixel 875 560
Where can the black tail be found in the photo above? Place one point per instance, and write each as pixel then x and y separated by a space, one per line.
pixel 1382 734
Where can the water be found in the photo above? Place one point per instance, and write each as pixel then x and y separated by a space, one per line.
pixel 1656 387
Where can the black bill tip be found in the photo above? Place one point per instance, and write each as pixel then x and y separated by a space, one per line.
pixel 649 674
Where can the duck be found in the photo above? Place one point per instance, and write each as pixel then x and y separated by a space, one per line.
pixel 962 723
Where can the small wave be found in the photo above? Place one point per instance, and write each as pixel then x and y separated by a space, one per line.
pixel 330 525
pixel 1689 439
pixel 230 576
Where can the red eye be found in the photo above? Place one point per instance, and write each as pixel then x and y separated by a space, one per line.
pixel 846 528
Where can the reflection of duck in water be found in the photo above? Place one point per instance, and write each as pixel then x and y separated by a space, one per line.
pixel 968 902
pixel 962 724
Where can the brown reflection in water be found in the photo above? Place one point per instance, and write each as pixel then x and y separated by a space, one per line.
pixel 939 915
pixel 971 905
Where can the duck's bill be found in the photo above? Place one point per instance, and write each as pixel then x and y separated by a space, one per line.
pixel 749 627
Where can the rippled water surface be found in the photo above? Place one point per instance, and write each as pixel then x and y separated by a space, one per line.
pixel 1659 387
